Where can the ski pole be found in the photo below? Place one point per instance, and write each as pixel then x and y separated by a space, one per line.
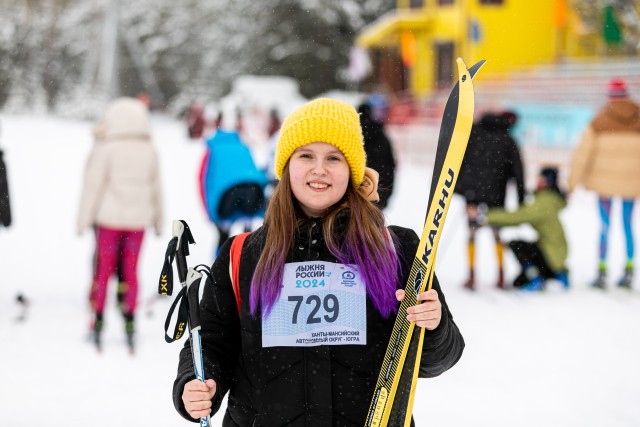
pixel 193 281
pixel 187 301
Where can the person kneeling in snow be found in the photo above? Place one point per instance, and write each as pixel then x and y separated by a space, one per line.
pixel 546 258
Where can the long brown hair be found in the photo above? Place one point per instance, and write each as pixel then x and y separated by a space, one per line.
pixel 364 242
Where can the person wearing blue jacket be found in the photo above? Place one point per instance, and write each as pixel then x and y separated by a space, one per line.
pixel 232 187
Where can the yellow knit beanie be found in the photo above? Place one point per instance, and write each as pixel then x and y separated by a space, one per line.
pixel 323 120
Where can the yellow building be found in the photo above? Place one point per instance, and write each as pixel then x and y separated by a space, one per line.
pixel 414 47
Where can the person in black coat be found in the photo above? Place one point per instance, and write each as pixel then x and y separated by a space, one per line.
pixel 379 152
pixel 299 336
pixel 5 207
pixel 492 160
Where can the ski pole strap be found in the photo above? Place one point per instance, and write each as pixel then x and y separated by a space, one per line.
pixel 187 303
pixel 234 266
pixel 186 239
pixel 165 284
pixel 182 304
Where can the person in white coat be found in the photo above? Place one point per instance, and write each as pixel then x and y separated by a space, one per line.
pixel 121 197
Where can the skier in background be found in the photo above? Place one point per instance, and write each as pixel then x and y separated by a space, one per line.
pixel 5 206
pixel 231 186
pixel 321 216
pixel 606 162
pixel 274 124
pixel 546 258
pixel 5 221
pixel 491 161
pixel 98 138
pixel 195 121
pixel 273 131
pixel 121 196
pixel 377 145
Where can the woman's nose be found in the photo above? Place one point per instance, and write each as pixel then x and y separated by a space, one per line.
pixel 319 167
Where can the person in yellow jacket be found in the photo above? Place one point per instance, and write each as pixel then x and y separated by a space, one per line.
pixel 606 162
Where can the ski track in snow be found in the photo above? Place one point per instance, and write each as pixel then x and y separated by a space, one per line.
pixel 552 359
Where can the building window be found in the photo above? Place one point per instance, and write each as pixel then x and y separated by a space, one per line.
pixel 444 2
pixel 445 60
pixel 498 2
pixel 416 4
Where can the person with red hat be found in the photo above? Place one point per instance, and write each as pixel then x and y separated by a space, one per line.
pixel 606 162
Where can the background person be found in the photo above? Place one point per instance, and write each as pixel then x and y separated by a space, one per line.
pixel 378 147
pixel 491 161
pixel 231 185
pixel 606 161
pixel 121 196
pixel 545 258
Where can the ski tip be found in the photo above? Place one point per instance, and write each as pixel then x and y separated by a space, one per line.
pixel 474 68
pixel 463 72
pixel 478 65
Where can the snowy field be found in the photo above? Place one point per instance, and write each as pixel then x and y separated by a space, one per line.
pixel 551 359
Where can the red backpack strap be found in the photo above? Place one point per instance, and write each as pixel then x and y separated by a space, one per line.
pixel 234 265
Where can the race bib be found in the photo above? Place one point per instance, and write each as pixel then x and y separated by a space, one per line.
pixel 321 303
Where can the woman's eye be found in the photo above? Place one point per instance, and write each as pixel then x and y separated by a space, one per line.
pixel 334 158
pixel 305 156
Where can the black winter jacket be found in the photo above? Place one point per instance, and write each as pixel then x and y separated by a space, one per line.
pixel 379 154
pixel 313 386
pixel 491 160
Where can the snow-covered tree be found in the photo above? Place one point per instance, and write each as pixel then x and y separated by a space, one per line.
pixel 71 56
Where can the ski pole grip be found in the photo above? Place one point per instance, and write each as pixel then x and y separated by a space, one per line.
pixel 181 258
pixel 194 279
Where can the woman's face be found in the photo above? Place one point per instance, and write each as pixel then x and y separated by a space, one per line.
pixel 319 175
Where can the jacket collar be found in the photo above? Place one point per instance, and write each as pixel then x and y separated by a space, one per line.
pixel 311 228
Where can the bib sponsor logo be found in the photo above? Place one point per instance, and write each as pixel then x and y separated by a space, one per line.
pixel 348 278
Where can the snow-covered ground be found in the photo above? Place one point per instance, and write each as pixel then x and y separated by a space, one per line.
pixel 551 359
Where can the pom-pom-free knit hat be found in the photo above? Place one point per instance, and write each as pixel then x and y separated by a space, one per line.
pixel 550 174
pixel 617 88
pixel 323 120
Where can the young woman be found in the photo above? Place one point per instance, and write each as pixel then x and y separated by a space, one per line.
pixel 319 285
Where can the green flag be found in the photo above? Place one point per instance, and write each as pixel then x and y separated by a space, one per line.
pixel 611 31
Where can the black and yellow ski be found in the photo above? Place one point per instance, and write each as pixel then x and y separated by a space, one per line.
pixel 392 400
